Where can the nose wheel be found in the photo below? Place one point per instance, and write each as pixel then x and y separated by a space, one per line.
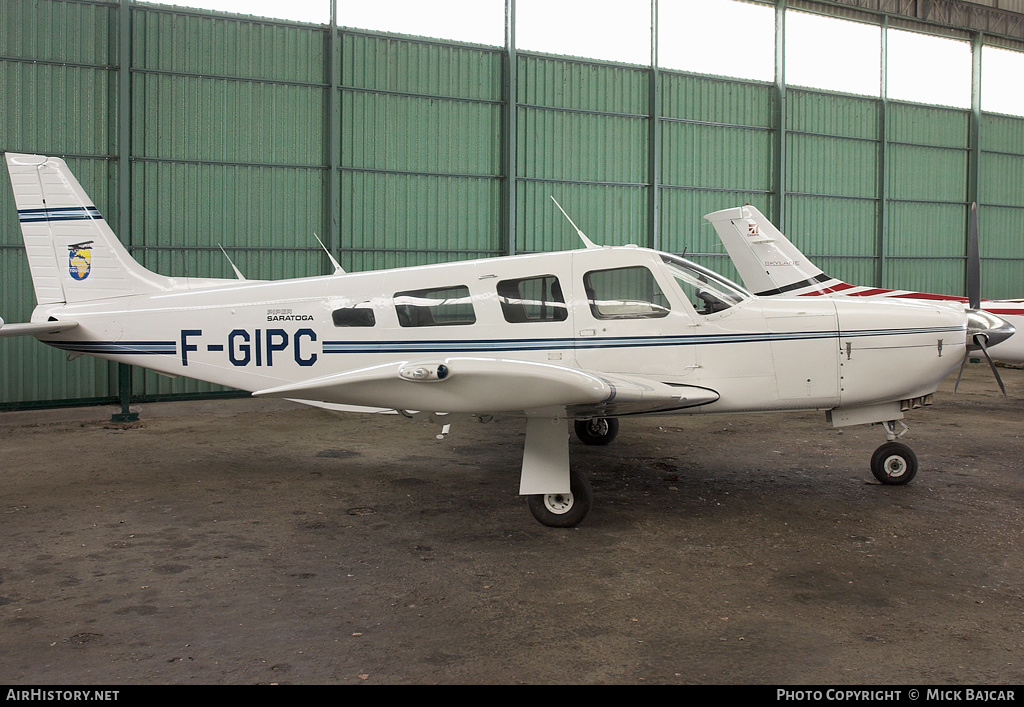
pixel 894 463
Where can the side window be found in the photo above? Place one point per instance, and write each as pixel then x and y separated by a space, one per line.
pixel 625 293
pixel 439 306
pixel 708 291
pixel 532 299
pixel 360 315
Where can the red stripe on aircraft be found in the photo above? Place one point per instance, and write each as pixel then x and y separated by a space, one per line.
pixel 839 288
pixel 869 293
pixel 925 295
pixel 828 290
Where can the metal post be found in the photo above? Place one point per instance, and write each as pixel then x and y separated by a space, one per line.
pixel 780 115
pixel 124 178
pixel 882 274
pixel 333 210
pixel 508 146
pixel 654 139
pixel 124 386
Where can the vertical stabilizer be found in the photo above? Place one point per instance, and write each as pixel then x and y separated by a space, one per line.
pixel 73 254
pixel 765 259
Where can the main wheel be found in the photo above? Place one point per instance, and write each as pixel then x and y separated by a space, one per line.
pixel 563 510
pixel 894 463
pixel 599 430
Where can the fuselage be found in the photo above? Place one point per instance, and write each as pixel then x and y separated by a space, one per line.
pixel 587 335
pixel 614 310
pixel 1012 311
pixel 771 266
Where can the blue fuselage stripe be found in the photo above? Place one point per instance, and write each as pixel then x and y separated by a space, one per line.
pixel 146 348
pixel 442 346
pixel 515 345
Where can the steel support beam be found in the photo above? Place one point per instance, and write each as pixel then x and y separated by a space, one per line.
pixel 509 129
pixel 780 116
pixel 124 178
pixel 654 139
pixel 935 14
pixel 882 273
pixel 333 210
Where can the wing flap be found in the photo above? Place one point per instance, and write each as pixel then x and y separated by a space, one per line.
pixel 489 385
pixel 638 396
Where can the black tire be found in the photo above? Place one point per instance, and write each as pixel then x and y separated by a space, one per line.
pixel 598 431
pixel 560 510
pixel 894 464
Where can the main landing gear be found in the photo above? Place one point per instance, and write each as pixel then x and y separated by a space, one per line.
pixel 597 431
pixel 546 467
pixel 894 463
pixel 563 510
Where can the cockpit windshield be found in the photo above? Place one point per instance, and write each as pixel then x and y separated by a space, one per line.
pixel 707 291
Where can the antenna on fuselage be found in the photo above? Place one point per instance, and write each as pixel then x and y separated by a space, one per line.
pixel 337 266
pixel 238 273
pixel 583 236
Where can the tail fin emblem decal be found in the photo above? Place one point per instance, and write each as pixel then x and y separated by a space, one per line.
pixel 80 260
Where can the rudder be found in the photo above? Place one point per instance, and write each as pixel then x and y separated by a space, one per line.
pixel 768 263
pixel 73 254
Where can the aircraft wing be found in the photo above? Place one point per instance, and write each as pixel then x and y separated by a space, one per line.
pixel 34 328
pixel 493 385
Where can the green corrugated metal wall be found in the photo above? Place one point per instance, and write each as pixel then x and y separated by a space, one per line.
pixel 57 66
pixel 231 121
pixel 716 152
pixel 582 139
pixel 420 152
pixel 1001 218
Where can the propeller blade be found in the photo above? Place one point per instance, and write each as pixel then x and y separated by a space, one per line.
pixel 960 373
pixel 973 260
pixel 991 364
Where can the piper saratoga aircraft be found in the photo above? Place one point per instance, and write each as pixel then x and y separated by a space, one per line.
pixel 771 266
pixel 579 338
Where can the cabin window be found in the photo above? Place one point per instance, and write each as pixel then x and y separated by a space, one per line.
pixel 532 299
pixel 360 315
pixel 625 293
pixel 439 306
pixel 708 291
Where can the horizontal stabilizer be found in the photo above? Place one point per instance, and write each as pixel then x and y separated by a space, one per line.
pixel 487 385
pixel 34 328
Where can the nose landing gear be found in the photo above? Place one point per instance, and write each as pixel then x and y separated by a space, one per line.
pixel 894 463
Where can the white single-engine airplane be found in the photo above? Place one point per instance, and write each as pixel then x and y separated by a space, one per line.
pixel 588 335
pixel 771 266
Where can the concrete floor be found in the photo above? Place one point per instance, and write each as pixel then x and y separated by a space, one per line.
pixel 243 542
